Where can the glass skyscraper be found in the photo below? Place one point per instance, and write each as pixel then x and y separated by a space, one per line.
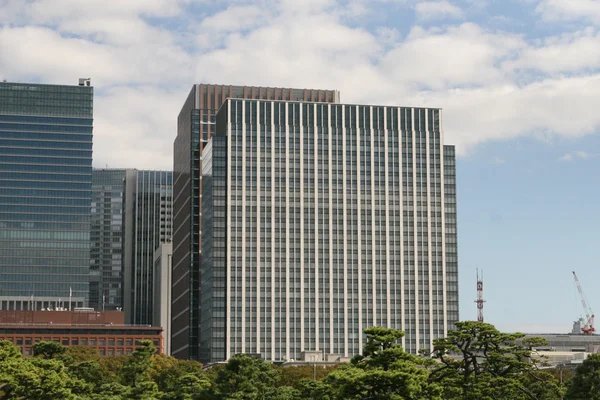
pixel 45 194
pixel 106 255
pixel 195 125
pixel 320 220
pixel 148 215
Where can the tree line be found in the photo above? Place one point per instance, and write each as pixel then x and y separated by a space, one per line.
pixel 474 362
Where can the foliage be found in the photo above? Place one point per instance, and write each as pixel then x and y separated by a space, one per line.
pixel 384 371
pixel 585 385
pixel 296 375
pixel 477 362
pixel 136 368
pixel 474 362
pixel 48 349
pixel 245 377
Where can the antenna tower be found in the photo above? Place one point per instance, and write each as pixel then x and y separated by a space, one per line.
pixel 480 299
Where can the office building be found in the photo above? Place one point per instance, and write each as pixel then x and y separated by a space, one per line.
pixel 103 331
pixel 147 223
pixel 320 220
pixel 45 194
pixel 195 125
pixel 106 239
pixel 162 292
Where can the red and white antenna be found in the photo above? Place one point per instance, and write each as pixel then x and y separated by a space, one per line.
pixel 480 299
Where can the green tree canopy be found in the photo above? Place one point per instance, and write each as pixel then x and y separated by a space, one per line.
pixel 477 362
pixel 245 378
pixel 136 368
pixel 384 371
pixel 48 349
pixel 585 385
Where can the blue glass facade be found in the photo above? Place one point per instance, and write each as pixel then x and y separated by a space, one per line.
pixel 45 193
pixel 106 255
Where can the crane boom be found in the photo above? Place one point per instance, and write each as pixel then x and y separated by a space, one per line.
pixel 588 328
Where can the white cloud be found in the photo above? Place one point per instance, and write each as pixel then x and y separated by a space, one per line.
pixel 460 55
pixel 560 10
pixel 571 52
pixel 435 10
pixel 574 154
pixel 491 84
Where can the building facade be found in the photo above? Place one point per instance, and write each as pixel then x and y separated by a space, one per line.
pixel 106 239
pixel 162 292
pixel 45 194
pixel 195 125
pixel 320 220
pixel 147 222
pixel 102 331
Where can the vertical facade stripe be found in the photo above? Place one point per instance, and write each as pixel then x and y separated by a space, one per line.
pixel 315 179
pixel 258 303
pixel 274 266
pixel 415 200
pixel 373 231
pixel 302 246
pixel 361 273
pixel 429 228
pixel 244 201
pixel 287 230
pixel 330 205
pixel 387 206
pixel 345 230
pixel 228 250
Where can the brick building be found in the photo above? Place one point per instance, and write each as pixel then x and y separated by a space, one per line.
pixel 104 331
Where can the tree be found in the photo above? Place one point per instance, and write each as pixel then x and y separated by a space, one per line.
pixel 384 371
pixel 38 379
pixel 295 375
pixel 477 362
pixel 246 378
pixel 585 385
pixel 138 365
pixel 167 372
pixel 48 349
pixel 8 351
pixel 190 387
pixel 315 390
pixel 112 391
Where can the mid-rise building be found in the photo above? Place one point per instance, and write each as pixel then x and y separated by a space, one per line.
pixel 102 331
pixel 106 239
pixel 147 223
pixel 45 194
pixel 320 220
pixel 195 125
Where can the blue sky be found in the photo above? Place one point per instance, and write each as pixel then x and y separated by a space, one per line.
pixel 518 81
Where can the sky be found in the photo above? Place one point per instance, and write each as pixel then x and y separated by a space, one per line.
pixel 518 81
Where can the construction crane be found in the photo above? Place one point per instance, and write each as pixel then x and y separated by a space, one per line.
pixel 588 328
